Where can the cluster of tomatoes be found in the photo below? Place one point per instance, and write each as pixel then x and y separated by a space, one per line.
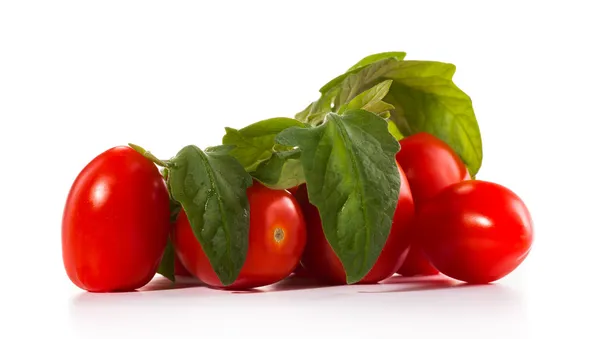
pixel 117 221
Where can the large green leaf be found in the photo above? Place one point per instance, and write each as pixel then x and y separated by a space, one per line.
pixel 426 99
pixel 211 188
pixel 352 178
pixel 371 100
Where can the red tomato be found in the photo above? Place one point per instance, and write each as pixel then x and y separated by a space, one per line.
pixel 115 223
pixel 180 269
pixel 301 272
pixel 277 239
pixel 430 166
pixel 475 231
pixel 320 260
pixel 416 263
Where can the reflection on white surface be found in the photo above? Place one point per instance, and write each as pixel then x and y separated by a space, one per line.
pixel 424 306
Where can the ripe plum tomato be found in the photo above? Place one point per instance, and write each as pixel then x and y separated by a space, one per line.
pixel 301 272
pixel 115 223
pixel 430 166
pixel 322 263
pixel 180 269
pixel 277 239
pixel 416 263
pixel 475 231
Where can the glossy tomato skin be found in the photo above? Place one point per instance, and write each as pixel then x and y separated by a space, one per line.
pixel 321 262
pixel 475 231
pixel 180 269
pixel 301 272
pixel 430 166
pixel 277 239
pixel 115 222
pixel 416 263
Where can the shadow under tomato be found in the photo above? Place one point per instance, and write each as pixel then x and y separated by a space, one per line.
pixel 162 284
pixel 295 283
pixel 248 291
pixel 398 279
pixel 422 286
pixel 422 283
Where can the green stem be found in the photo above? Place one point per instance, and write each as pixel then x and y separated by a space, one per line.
pixel 150 156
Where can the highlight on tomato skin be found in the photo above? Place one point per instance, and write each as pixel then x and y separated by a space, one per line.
pixel 321 262
pixel 430 166
pixel 276 241
pixel 115 222
pixel 293 190
pixel 475 231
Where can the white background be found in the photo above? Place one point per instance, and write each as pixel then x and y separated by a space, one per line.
pixel 78 77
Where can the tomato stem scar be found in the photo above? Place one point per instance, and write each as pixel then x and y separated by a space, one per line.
pixel 279 234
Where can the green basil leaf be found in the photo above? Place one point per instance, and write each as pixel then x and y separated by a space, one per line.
pixel 283 170
pixel 352 178
pixel 254 143
pixel 211 188
pixel 366 61
pixel 426 99
pixel 166 267
pixel 370 100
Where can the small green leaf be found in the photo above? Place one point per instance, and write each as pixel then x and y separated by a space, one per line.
pixel 283 170
pixel 305 113
pixel 314 114
pixel 211 188
pixel 394 130
pixel 370 100
pixel 350 85
pixel 384 115
pixel 254 144
pixel 377 57
pixel 364 62
pixel 363 80
pixel 353 180
pixel 167 263
pixel 427 100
